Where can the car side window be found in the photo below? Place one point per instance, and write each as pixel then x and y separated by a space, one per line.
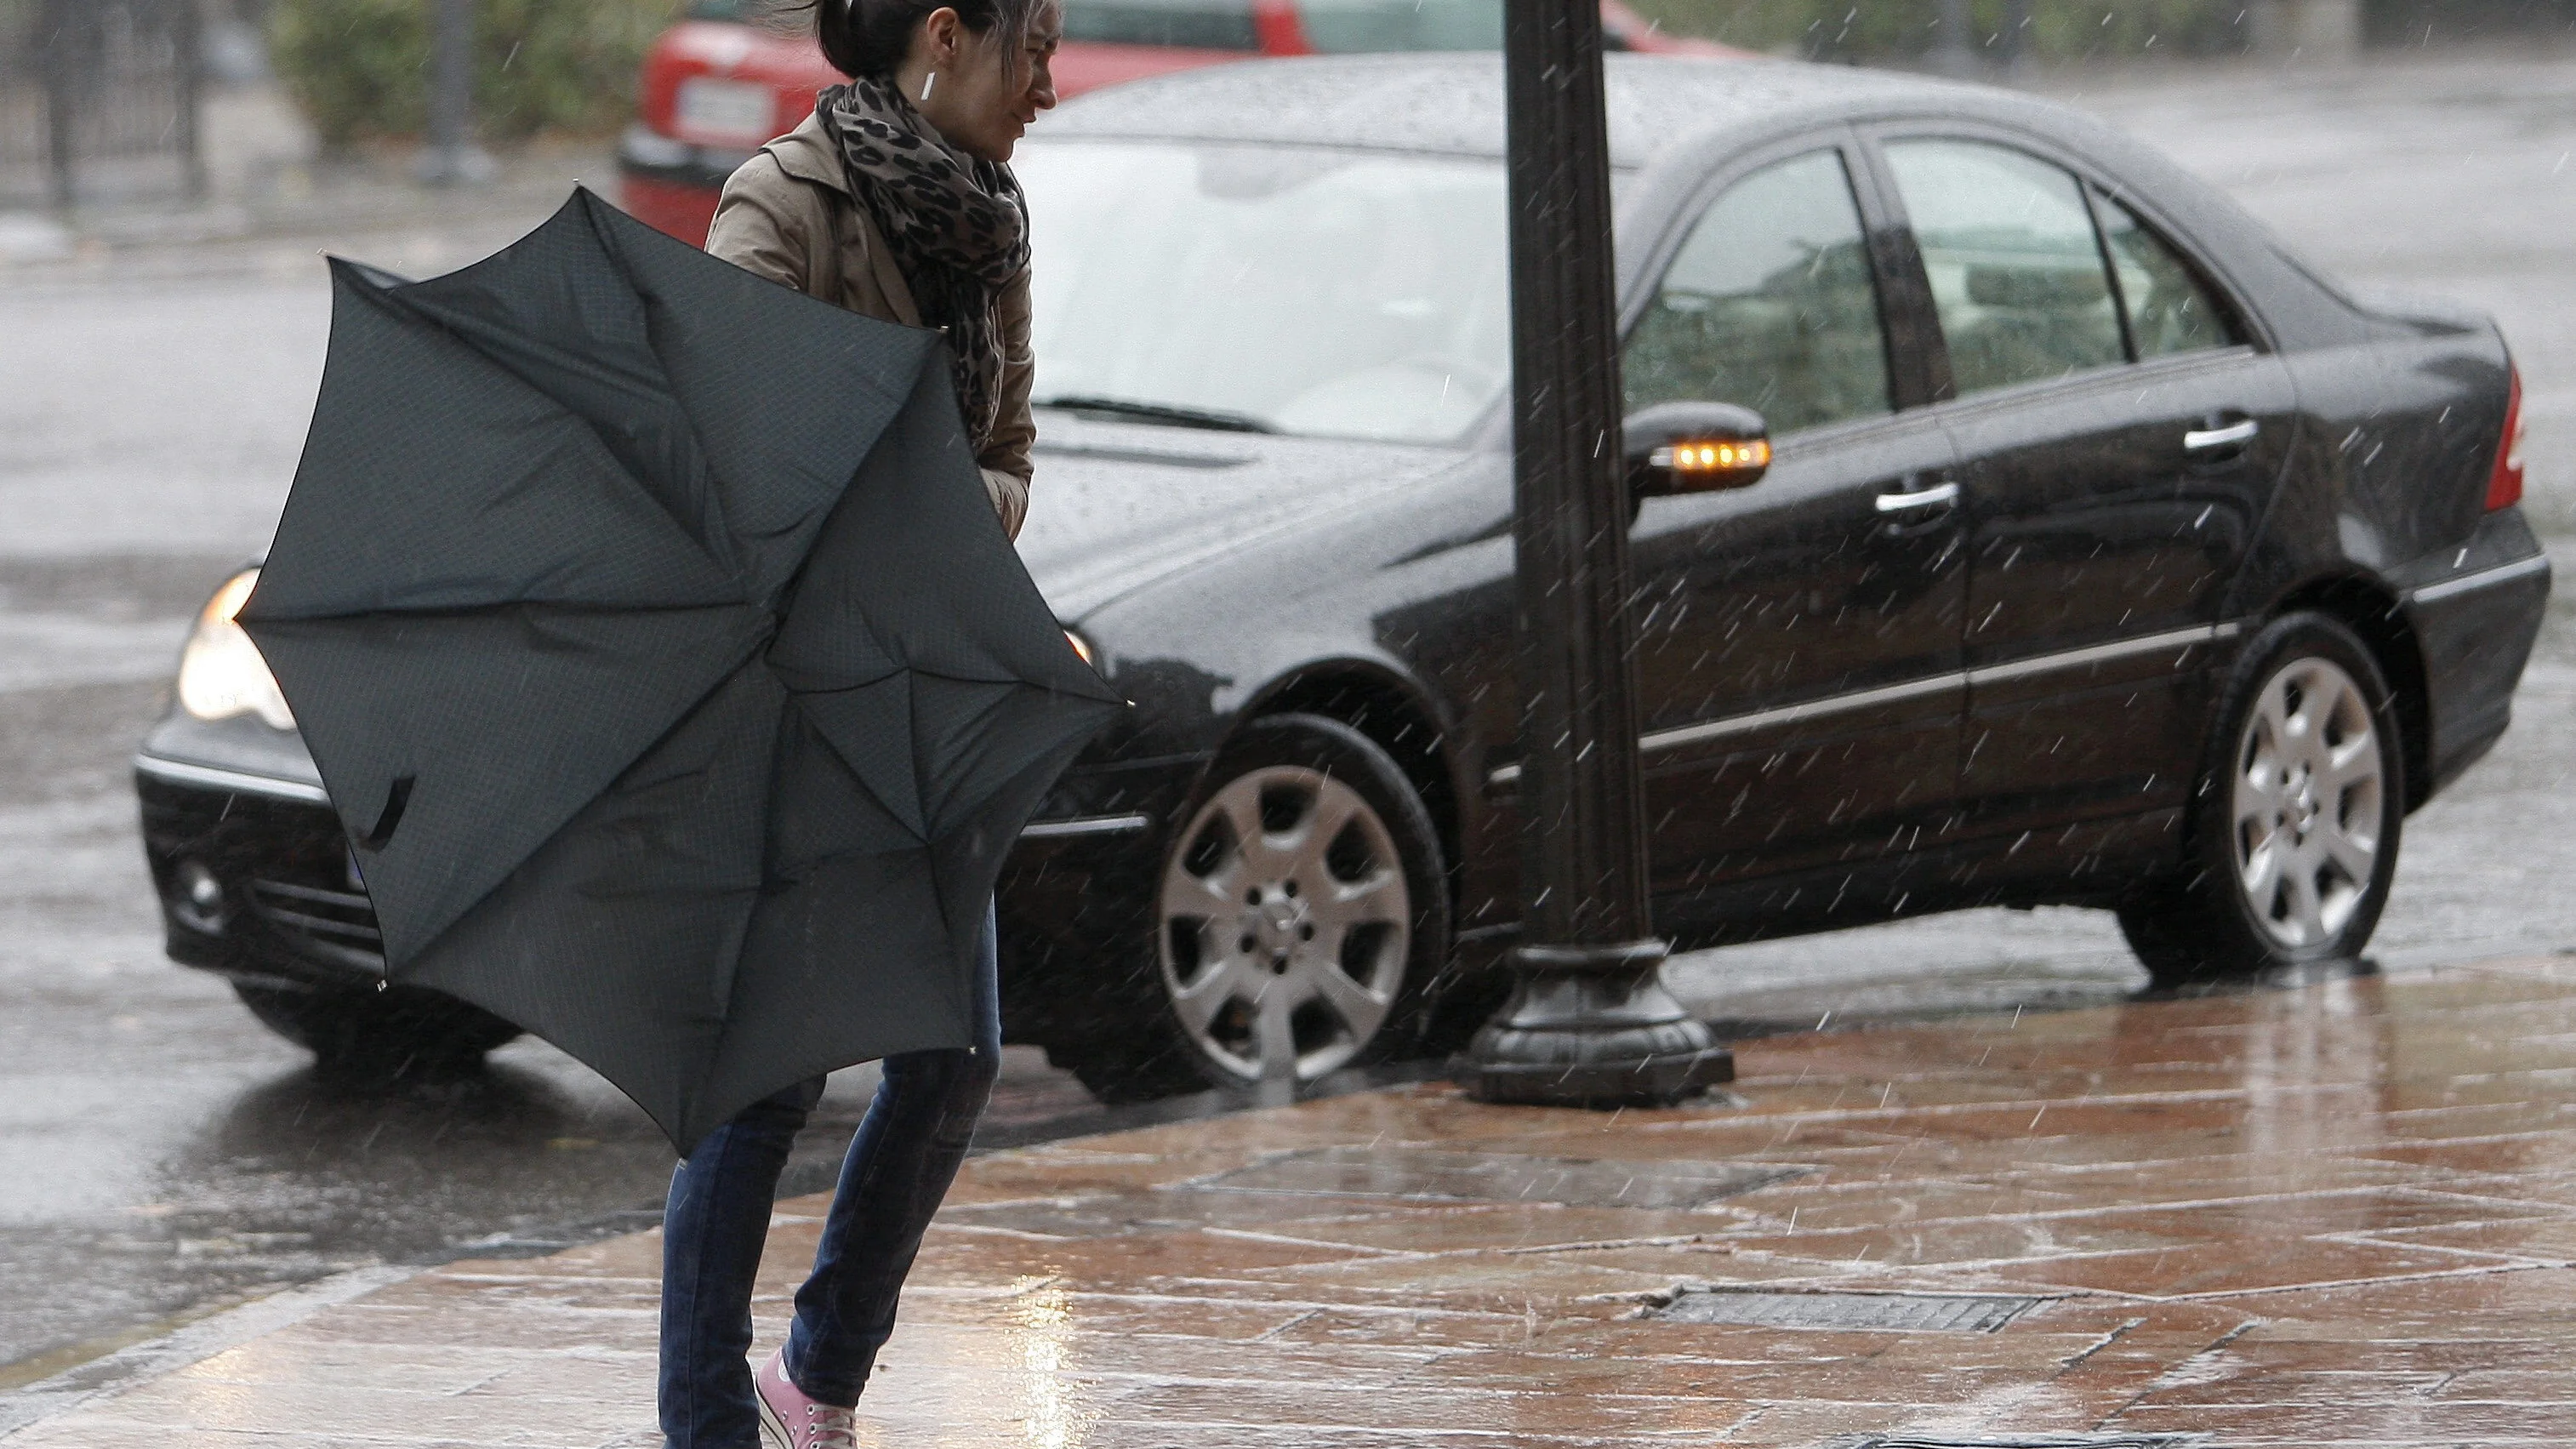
pixel 2170 310
pixel 1769 305
pixel 2016 271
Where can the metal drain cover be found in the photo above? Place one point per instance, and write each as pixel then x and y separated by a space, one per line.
pixel 1860 1312
pixel 2044 1441
pixel 1405 1172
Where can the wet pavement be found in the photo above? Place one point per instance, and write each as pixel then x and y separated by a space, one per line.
pixel 161 1156
pixel 2334 1213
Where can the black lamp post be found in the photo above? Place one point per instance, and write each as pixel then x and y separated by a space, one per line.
pixel 1589 1022
pixel 1953 53
pixel 2016 35
pixel 452 158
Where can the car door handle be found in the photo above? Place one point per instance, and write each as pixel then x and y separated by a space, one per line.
pixel 1929 497
pixel 2202 440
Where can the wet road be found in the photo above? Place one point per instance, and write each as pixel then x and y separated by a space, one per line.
pixel 2340 1216
pixel 159 1152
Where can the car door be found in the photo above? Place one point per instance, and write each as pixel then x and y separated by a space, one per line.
pixel 1798 640
pixel 2117 438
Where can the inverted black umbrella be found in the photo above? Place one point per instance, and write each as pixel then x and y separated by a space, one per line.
pixel 676 684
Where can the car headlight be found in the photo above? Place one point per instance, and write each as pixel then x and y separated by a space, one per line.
pixel 221 673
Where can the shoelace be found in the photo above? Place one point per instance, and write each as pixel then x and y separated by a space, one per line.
pixel 828 1426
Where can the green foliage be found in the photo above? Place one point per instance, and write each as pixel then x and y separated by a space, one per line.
pixel 1883 30
pixel 361 68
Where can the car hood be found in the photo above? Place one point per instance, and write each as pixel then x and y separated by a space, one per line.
pixel 1116 507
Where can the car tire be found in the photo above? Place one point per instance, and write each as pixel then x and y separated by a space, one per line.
pixel 384 1035
pixel 1312 948
pixel 2294 823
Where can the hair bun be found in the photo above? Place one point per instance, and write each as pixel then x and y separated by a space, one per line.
pixel 872 37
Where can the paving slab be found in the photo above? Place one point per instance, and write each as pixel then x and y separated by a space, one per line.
pixel 2339 1213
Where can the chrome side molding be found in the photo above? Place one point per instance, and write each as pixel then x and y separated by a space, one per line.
pixel 240 782
pixel 1085 825
pixel 2173 639
pixel 2483 579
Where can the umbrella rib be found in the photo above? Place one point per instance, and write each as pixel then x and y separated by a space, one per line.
pixel 598 212
pixel 606 222
pixel 480 339
pixel 567 608
pixel 942 676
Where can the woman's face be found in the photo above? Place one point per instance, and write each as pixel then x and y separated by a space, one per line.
pixel 988 91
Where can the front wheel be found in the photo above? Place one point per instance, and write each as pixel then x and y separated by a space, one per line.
pixel 1301 912
pixel 2295 823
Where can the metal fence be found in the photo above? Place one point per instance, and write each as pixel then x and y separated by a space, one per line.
pixel 99 100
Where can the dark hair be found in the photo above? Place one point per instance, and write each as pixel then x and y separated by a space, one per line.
pixel 871 37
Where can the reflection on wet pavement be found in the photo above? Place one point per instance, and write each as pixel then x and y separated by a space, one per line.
pixel 2340 1211
pixel 1404 1172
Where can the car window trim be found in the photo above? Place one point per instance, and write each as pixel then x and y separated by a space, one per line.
pixel 2205 265
pixel 2093 199
pixel 2096 197
pixel 1924 360
pixel 1839 137
pixel 2126 376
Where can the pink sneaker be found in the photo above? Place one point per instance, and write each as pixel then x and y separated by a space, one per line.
pixel 790 1420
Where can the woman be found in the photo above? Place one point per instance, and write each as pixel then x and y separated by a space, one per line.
pixel 892 200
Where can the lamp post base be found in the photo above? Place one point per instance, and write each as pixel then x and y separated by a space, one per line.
pixel 1593 1027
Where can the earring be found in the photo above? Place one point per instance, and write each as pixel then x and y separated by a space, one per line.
pixel 927 82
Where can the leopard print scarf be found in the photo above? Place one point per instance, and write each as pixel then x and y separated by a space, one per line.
pixel 957 225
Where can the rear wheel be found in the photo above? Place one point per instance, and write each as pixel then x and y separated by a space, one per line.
pixel 379 1035
pixel 2293 840
pixel 1301 912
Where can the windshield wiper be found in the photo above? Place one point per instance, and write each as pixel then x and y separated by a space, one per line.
pixel 1171 414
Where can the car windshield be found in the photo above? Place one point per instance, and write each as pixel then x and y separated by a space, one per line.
pixel 1297 289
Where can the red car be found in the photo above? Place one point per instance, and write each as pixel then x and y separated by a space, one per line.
pixel 715 87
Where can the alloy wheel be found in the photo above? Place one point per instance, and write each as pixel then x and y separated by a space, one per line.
pixel 2309 802
pixel 1286 924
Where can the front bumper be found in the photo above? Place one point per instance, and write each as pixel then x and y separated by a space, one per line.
pixel 291 911
pixel 1075 895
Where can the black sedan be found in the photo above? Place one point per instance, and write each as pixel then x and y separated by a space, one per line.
pixel 2111 555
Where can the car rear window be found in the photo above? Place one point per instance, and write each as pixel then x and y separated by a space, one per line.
pixel 1361 27
pixel 1193 24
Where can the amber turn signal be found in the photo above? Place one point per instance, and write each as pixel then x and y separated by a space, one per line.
pixel 1728 456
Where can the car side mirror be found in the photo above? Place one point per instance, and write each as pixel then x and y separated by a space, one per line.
pixel 1695 447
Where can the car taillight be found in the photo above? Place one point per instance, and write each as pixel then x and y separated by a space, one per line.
pixel 2504 485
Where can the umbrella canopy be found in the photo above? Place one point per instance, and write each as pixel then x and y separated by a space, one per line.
pixel 675 682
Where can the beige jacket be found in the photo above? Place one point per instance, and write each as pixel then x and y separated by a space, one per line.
pixel 778 219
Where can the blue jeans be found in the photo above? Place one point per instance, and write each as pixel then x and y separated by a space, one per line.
pixel 899 1166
